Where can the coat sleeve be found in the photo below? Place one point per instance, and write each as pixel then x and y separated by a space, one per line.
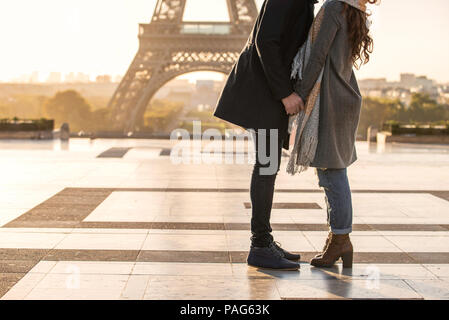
pixel 268 44
pixel 320 48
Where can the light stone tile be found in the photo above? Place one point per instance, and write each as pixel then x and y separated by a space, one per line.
pixel 239 240
pixel 370 272
pixel 187 232
pixel 87 231
pixel 421 243
pixel 130 207
pixel 43 267
pixel 431 289
pixel 22 288
pixel 93 267
pixel 404 220
pixel 73 294
pixel 102 241
pixel 178 269
pixel 210 288
pixel 135 287
pixel 36 230
pixel 367 272
pixel 345 289
pixel 31 240
pixel 361 242
pixel 440 270
pixel 186 242
pixel 77 281
pixel 141 154
pixel 190 218
pixel 416 234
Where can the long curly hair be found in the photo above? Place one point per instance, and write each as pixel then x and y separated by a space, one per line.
pixel 359 37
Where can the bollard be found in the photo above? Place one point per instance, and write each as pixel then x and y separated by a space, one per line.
pixel 65 132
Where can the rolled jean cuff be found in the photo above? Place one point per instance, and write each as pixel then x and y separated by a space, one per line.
pixel 341 231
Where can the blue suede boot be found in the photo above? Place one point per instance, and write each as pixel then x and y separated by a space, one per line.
pixel 270 258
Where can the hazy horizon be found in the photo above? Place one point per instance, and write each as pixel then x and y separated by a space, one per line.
pixel 100 37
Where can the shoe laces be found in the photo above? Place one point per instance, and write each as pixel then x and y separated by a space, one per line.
pixel 275 251
pixel 277 244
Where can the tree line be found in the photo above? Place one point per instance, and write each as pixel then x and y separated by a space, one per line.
pixel 82 115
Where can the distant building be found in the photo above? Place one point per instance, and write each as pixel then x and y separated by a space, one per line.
pixel 407 79
pixel 103 79
pixel 118 78
pixel 82 78
pixel 370 84
pixel 205 84
pixel 403 90
pixel 70 78
pixel 77 78
pixel 34 78
pixel 54 77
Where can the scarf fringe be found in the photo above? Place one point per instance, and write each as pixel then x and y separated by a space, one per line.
pixel 304 157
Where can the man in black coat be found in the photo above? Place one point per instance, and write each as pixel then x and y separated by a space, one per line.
pixel 259 96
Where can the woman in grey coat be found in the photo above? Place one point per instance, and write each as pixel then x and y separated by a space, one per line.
pixel 339 39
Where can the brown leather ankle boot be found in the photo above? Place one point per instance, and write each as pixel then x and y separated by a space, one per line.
pixel 325 245
pixel 339 246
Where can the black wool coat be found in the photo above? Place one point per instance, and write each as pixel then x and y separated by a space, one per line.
pixel 252 96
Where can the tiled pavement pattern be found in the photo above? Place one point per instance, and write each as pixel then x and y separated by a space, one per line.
pixel 76 225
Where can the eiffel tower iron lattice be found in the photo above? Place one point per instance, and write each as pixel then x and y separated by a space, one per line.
pixel 170 47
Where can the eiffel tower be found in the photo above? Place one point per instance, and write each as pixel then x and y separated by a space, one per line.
pixel 170 47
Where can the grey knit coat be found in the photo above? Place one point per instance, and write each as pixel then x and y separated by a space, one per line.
pixel 340 98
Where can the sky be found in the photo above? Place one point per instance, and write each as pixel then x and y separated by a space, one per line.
pixel 100 36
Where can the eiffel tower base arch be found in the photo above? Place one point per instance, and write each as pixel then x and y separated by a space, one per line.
pixel 170 47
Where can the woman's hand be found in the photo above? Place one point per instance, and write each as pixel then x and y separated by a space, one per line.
pixel 293 104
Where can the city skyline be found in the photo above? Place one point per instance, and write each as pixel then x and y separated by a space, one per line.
pixel 80 77
pixel 77 35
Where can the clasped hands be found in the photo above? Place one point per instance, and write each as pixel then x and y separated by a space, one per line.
pixel 293 104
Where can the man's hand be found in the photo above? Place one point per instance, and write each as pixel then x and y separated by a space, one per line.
pixel 293 104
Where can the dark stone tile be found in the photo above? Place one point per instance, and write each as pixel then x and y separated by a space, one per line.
pixel 285 227
pixel 362 227
pixel 312 227
pixel 57 213
pixel 22 254
pixel 140 189
pixel 382 257
pixel 307 256
pixel 441 194
pixel 17 266
pixel 41 224
pixel 282 205
pixel 92 255
pixel 359 257
pixel 165 153
pixel 115 225
pixel 66 209
pixel 430 257
pixel 238 256
pixel 408 227
pixel 187 226
pixel 114 153
pixel 237 226
pixel 184 256
pixel 86 191
pixel 8 280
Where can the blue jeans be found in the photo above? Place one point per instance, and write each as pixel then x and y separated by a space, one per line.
pixel 338 199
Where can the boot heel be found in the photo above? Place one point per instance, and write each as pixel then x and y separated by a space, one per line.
pixel 347 259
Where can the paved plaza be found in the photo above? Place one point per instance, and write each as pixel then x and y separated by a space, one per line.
pixel 116 219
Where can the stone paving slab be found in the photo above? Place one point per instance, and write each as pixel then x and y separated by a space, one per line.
pixel 132 225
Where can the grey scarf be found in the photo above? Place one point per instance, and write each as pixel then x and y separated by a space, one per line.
pixel 304 126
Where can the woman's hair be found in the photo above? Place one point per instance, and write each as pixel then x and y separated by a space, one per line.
pixel 359 38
